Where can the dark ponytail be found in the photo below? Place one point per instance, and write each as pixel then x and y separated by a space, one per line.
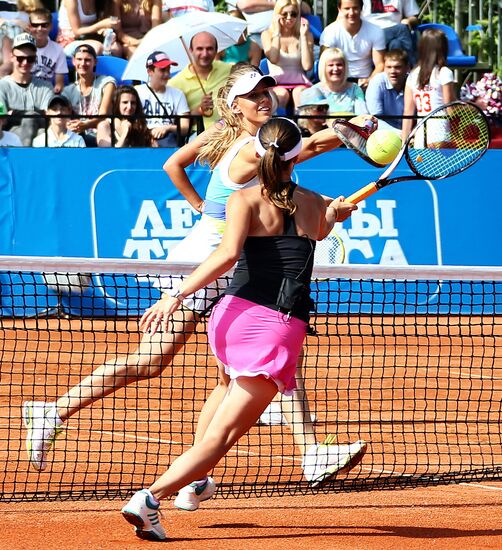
pixel 277 138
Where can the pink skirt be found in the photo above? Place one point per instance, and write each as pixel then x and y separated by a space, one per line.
pixel 253 340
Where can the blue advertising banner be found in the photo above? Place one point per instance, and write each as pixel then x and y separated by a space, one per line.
pixel 118 203
pixel 113 203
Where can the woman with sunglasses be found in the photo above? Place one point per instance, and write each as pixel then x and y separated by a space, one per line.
pixel 288 45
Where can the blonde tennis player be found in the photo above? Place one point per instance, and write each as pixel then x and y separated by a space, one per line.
pixel 258 327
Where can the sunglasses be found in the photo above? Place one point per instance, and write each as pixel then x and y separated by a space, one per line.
pixel 290 15
pixel 40 25
pixel 27 58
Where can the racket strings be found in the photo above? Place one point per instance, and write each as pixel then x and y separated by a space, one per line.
pixel 448 142
pixel 354 138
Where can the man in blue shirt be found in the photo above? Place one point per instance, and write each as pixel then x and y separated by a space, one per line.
pixel 385 92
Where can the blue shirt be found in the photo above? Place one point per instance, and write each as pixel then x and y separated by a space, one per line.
pixel 383 99
pixel 350 101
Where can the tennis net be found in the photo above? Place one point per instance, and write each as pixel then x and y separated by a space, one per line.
pixel 406 358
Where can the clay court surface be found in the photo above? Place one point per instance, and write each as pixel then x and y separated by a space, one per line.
pixel 386 383
pixel 451 517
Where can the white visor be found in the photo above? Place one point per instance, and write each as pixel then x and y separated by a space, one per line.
pixel 286 156
pixel 247 83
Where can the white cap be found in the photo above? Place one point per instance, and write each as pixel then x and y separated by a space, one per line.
pixel 247 83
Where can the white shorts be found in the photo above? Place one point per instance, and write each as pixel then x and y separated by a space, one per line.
pixel 196 247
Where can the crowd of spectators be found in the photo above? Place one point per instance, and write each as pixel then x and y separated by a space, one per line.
pixel 368 60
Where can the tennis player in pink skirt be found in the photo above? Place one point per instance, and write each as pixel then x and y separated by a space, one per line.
pixel 258 327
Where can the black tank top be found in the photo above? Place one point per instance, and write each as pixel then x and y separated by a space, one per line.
pixel 264 263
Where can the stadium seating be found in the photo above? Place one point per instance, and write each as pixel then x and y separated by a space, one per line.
pixel 112 66
pixel 55 25
pixel 456 55
pixel 316 26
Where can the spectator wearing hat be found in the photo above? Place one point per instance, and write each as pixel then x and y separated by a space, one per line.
pixel 58 135
pixel 343 97
pixel 205 71
pixel 385 93
pixel 312 104
pixel 162 104
pixel 51 60
pixel 7 139
pixel 22 94
pixel 13 20
pixel 90 95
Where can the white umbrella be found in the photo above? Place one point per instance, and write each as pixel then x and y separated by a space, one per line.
pixel 172 36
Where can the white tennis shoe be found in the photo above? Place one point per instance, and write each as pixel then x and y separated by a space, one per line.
pixel 141 512
pixel 272 416
pixel 324 461
pixel 190 496
pixel 42 429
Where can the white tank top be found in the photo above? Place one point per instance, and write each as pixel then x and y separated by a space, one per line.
pixel 64 21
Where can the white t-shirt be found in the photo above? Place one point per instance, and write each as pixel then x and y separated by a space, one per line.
pixel 71 139
pixel 172 102
pixel 387 13
pixel 430 97
pixel 51 60
pixel 180 7
pixel 10 139
pixel 358 49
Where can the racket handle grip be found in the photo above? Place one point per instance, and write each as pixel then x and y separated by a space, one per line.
pixel 364 192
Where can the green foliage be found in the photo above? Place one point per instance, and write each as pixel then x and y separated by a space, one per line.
pixel 480 41
pixel 221 6
pixel 445 13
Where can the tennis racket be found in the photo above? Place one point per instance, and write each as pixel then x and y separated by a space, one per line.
pixel 330 251
pixel 355 137
pixel 444 143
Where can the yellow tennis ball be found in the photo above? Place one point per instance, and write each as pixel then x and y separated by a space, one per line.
pixel 383 146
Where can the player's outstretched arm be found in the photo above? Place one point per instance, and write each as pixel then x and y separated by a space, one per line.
pixel 327 140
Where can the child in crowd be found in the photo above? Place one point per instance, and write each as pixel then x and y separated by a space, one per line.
pixel 58 135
